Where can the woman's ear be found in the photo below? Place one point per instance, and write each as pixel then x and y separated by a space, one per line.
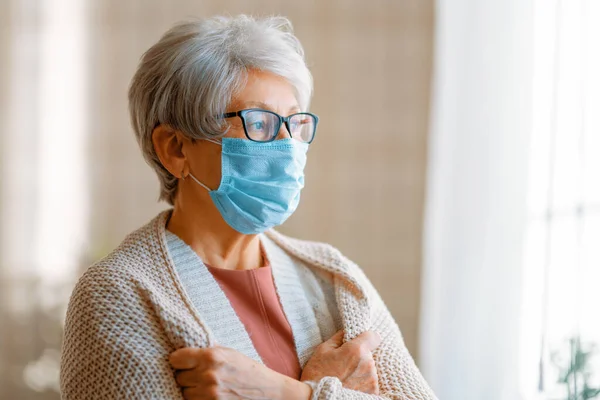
pixel 168 145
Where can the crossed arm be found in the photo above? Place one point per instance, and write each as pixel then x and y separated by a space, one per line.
pixel 374 365
pixel 117 358
pixel 218 372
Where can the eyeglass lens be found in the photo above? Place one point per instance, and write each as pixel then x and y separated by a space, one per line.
pixel 263 126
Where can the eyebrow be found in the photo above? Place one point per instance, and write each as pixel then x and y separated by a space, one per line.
pixel 260 104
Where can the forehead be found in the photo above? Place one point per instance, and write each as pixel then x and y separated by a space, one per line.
pixel 267 90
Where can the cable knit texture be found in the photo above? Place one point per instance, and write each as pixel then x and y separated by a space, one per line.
pixel 130 310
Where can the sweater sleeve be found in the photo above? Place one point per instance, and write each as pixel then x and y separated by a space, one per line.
pixel 113 347
pixel 399 377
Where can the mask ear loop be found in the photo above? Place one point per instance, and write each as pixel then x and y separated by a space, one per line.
pixel 200 183
pixel 192 176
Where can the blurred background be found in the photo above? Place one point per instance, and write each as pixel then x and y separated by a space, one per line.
pixel 457 161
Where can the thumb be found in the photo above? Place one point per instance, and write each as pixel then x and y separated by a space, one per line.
pixel 369 339
pixel 335 341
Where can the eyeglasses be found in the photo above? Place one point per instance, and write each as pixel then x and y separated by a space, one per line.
pixel 263 125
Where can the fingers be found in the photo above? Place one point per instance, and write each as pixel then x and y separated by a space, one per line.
pixel 195 377
pixel 187 378
pixel 189 357
pixel 369 340
pixel 199 393
pixel 185 358
pixel 336 340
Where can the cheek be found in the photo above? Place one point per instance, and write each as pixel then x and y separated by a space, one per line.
pixel 212 166
pixel 205 164
pixel 236 131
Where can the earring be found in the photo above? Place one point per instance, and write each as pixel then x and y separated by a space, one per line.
pixel 182 175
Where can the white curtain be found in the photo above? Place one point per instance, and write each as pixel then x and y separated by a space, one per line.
pixel 477 198
pixel 562 258
pixel 44 206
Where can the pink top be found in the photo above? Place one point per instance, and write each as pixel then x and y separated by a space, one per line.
pixel 253 297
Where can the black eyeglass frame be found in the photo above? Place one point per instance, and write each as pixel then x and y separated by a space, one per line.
pixel 286 120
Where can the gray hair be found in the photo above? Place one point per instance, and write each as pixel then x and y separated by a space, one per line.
pixel 187 79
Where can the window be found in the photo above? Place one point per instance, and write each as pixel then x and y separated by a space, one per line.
pixel 44 193
pixel 562 258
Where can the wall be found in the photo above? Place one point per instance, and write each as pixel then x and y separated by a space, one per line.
pixel 365 178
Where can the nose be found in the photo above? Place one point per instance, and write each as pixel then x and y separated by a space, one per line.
pixel 283 132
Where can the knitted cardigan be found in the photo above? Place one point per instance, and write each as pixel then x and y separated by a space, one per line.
pixel 134 307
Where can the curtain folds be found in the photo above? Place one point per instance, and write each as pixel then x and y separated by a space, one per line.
pixel 476 198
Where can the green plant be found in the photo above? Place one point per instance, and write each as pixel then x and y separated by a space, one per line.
pixel 575 372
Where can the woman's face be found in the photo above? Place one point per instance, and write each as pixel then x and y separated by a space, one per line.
pixel 263 90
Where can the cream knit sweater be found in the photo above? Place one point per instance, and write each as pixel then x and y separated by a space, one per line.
pixel 130 310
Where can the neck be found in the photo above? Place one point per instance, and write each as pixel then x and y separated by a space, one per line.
pixel 201 226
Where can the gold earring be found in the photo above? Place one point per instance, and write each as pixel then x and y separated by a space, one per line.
pixel 182 175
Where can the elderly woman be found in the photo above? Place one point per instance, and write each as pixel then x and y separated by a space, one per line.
pixel 207 301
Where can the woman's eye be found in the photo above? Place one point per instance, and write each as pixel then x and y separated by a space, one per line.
pixel 259 125
pixel 298 124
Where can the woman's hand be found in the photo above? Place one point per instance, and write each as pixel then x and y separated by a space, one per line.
pixel 217 373
pixel 352 362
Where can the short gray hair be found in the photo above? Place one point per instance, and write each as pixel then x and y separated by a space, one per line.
pixel 187 79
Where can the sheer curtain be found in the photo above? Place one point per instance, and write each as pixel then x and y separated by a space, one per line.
pixel 43 192
pixel 512 262
pixel 562 259
pixel 476 198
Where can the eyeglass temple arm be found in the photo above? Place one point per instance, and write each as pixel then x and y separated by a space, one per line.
pixel 230 114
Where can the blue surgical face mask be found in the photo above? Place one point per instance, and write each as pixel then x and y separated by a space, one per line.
pixel 260 182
